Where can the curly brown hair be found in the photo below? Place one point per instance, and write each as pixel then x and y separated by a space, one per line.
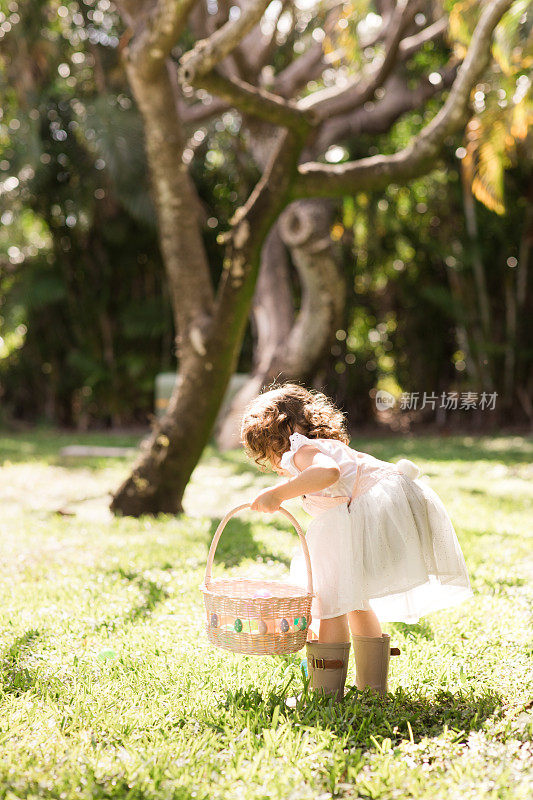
pixel 282 409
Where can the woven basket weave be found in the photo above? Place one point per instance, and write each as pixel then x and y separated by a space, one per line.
pixel 256 616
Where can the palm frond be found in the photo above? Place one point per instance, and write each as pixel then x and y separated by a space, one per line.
pixel 487 183
pixel 522 118
pixel 507 111
pixel 508 36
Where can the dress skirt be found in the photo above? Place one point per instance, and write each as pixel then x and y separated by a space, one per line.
pixel 393 550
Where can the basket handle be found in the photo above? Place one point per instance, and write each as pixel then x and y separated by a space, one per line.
pixel 222 525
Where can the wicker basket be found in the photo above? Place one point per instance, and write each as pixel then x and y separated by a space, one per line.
pixel 255 616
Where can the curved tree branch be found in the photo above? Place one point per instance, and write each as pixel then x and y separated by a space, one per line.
pixel 305 228
pixel 287 82
pixel 336 100
pixel 411 44
pixel 256 49
pixel 151 46
pixel 256 101
pixel 310 64
pixel 377 171
pixel 198 112
pixel 287 347
pixel 207 53
pixel 398 100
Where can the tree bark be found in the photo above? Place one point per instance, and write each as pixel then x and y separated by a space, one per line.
pixel 272 316
pixel 462 325
pixel 158 480
pixel 284 351
pixel 478 267
pixel 305 229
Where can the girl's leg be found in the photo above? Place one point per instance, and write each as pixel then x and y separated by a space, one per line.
pixel 362 623
pixel 334 630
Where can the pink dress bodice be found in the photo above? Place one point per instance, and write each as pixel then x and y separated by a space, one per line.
pixel 358 472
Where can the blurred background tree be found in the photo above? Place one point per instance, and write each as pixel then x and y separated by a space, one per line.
pixel 85 315
pixel 436 273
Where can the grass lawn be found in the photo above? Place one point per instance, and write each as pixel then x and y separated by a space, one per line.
pixel 108 687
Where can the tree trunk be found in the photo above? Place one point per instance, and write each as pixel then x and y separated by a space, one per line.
pixel 272 316
pixel 282 351
pixel 462 324
pixel 305 229
pixel 159 478
pixel 208 358
pixel 478 267
pixel 177 440
pixel 481 334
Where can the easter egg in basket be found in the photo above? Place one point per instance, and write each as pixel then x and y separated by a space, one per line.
pixel 265 616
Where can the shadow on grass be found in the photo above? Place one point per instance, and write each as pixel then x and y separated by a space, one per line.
pixel 153 594
pixel 238 543
pixel 15 678
pixel 362 719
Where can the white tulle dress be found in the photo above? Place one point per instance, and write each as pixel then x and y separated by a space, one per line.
pixel 378 540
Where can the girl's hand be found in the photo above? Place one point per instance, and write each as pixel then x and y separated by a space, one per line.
pixel 268 501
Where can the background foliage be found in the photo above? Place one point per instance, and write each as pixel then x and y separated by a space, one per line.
pixel 85 321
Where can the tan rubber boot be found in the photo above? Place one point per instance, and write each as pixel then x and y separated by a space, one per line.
pixel 327 665
pixel 372 654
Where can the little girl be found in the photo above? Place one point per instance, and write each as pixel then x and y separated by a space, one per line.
pixel 381 543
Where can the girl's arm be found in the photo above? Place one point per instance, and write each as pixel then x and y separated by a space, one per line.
pixel 318 472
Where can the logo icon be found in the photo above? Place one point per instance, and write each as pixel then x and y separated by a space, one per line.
pixel 384 400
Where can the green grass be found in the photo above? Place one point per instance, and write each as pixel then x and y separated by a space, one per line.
pixel 108 687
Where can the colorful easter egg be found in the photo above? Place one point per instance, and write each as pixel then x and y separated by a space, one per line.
pixel 238 625
pixel 284 625
pixel 214 621
pixel 304 667
pixel 302 623
pixel 262 626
